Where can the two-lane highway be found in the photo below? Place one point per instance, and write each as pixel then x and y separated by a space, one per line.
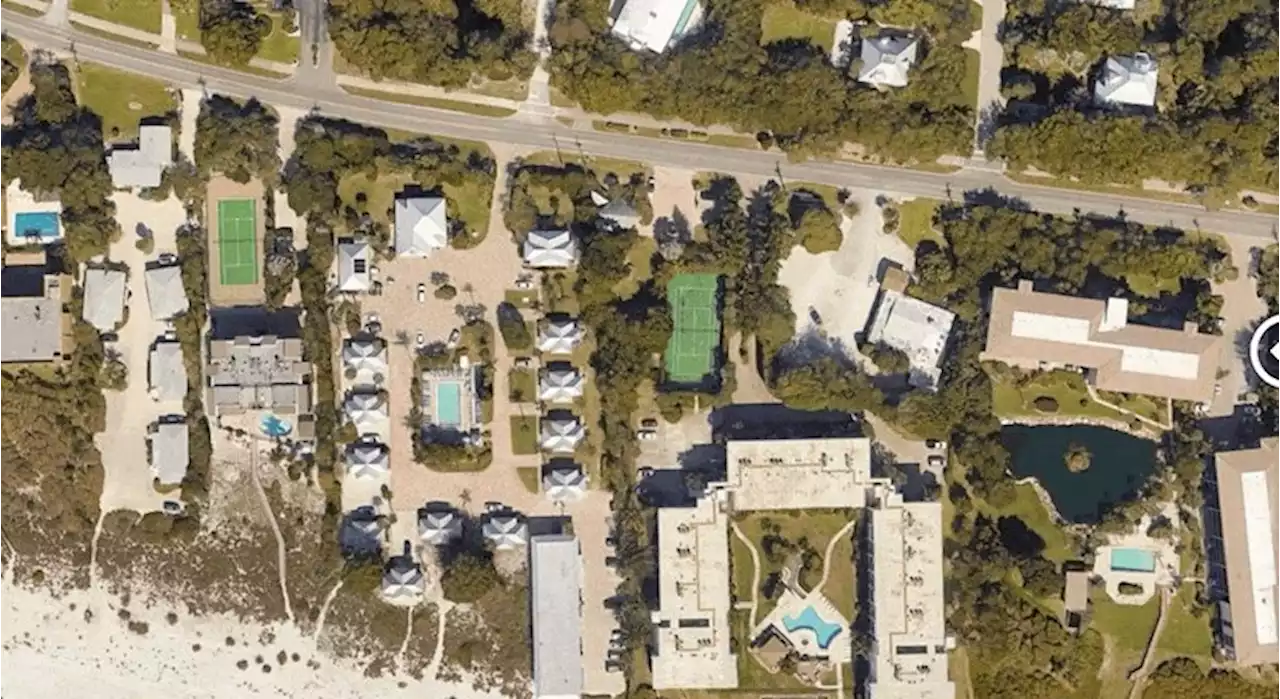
pixel 548 134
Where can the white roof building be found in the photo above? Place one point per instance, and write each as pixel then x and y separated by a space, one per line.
pixel 353 267
pixel 918 329
pixel 692 634
pixel 797 474
pixel 559 336
pixel 368 412
pixel 560 385
pixel 620 214
pixel 506 531
pixel 550 249
pixel 910 643
pixel 169 452
pixel 167 372
pixel 886 60
pixel 655 24
pixel 555 581
pixel 439 527
pixel 364 362
pixel 1114 4
pixel 562 435
pixel 422 226
pixel 1127 80
pixel 104 291
pixel 367 461
pixel 402 581
pixel 565 484
pixel 165 293
pixel 144 164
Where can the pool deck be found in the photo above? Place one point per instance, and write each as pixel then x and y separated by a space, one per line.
pixel 19 201
pixel 803 639
pixel 1166 557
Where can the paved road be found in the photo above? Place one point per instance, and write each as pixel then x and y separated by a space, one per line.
pixel 550 134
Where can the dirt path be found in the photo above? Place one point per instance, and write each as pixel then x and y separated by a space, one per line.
pixel 281 555
pixel 93 548
pixel 1148 655
pixel 755 570
pixel 443 607
pixel 324 608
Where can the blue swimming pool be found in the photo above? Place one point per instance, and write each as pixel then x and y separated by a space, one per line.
pixel 273 426
pixel 41 225
pixel 809 619
pixel 448 403
pixel 1133 560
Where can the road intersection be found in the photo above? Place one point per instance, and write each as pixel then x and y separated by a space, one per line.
pixel 536 131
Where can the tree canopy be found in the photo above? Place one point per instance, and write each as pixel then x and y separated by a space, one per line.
pixel 232 32
pixel 237 140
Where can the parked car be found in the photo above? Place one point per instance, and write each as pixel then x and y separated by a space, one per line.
pixel 814 316
pixel 937 461
pixel 647 435
pixel 649 423
pixel 522 362
pixel 612 666
pixel 644 472
pixel 422 293
pixel 935 444
pixel 611 561
pixel 1251 410
pixel 374 328
pixel 524 284
pixel 420 340
pixel 172 507
pixel 167 258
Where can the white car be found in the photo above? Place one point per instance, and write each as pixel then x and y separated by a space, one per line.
pixel 522 363
pixel 420 340
pixel 647 435
pixel 422 293
pixel 524 284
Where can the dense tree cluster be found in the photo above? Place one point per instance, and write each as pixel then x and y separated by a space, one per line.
pixel 237 140
pixel 232 31
pixel 54 146
pixel 440 42
pixel 788 88
pixel 1182 677
pixel 1215 128
pixel 469 576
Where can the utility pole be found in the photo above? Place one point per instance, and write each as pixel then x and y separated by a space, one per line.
pixel 777 169
pixel 559 157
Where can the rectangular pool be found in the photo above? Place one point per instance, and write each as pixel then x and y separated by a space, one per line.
pixel 448 403
pixel 1133 560
pixel 39 225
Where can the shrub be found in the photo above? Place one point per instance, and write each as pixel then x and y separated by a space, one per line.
pixel 1046 404
pixel 146 244
pixel 446 293
pixel 468 577
pixel 1128 588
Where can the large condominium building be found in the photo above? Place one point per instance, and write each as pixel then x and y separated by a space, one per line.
pixel 555 569
pixel 1035 330
pixel 692 631
pixel 910 646
pixel 1245 551
pixel 797 474
pixel 251 373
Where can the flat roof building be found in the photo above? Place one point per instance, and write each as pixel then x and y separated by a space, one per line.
pixel 917 329
pixel 34 326
pixel 169 452
pixel 910 644
pixel 142 165
pixel 104 291
pixel 1035 330
pixel 796 474
pixel 421 225
pixel 165 294
pixel 692 634
pixel 259 372
pixel 655 24
pixel 555 575
pixel 167 372
pixel 1247 490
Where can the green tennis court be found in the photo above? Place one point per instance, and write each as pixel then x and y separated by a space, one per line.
pixel 691 353
pixel 237 242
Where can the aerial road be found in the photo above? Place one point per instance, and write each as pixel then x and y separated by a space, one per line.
pixel 545 133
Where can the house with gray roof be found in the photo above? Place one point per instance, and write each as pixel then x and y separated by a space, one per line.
pixel 167 372
pixel 565 483
pixel 367 460
pixel 33 326
pixel 402 581
pixel 169 453
pixel 1127 80
pixel 620 214
pixel 506 530
pixel 559 335
pixel 560 383
pixel 421 225
pixel 368 412
pixel 361 533
pixel 439 527
pixel 561 435
pixel 258 373
pixel 165 294
pixel 353 267
pixel 364 361
pixel 550 249
pixel 104 292
pixel 887 59
pixel 142 164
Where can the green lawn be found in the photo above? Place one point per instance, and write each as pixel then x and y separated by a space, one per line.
pixel 434 102
pixel 841 585
pixel 1128 625
pixel 784 21
pixel 521 299
pixel 1027 507
pixel 524 434
pixel 522 386
pixel 916 222
pixel 278 45
pixel 139 14
pixel 470 201
pixel 379 193
pixel 639 259
pixel 15 60
pixel 187 18
pixel 972 67
pixel 530 477
pixel 1183 633
pixel 121 99
pixel 817 526
pixel 1067 388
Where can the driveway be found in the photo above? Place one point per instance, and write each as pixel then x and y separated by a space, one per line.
pixel 674 200
pixel 991 51
pixel 127 474
pixel 1241 309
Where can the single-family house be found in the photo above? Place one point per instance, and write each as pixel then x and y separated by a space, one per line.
pixel 367 411
pixel 165 294
pixel 367 460
pixel 354 276
pixel 506 530
pixel 104 296
pixel 439 527
pixel 560 383
pixel 1127 80
pixel 169 454
pixel 886 60
pixel 561 435
pixel 167 372
pixel 565 483
pixel 402 581
pixel 142 164
pixel 421 225
pixel 559 334
pixel 550 249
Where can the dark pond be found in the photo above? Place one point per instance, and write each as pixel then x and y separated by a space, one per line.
pixel 1119 465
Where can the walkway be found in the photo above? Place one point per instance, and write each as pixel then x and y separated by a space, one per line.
pixel 1148 655
pixel 990 101
pixel 755 570
pixel 831 547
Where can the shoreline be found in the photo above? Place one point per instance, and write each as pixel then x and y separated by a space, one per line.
pixel 1069 421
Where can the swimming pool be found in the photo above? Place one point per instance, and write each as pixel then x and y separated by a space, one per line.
pixel 1133 560
pixel 273 426
pixel 448 403
pixel 42 225
pixel 809 620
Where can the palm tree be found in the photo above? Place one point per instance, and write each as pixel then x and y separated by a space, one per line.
pixel 465 496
